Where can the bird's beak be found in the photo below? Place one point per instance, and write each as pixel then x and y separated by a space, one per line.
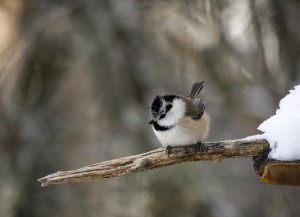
pixel 151 122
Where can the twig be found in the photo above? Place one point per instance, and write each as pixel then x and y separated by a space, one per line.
pixel 215 151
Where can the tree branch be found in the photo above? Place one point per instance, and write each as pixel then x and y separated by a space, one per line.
pixel 215 151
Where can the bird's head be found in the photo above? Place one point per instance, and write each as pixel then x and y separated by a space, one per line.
pixel 167 110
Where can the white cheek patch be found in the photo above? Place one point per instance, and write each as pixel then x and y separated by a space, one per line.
pixel 174 115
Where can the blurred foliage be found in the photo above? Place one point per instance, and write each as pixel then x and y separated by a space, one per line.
pixel 77 79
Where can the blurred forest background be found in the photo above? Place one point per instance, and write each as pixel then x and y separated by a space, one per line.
pixel 77 78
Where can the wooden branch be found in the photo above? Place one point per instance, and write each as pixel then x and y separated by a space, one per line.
pixel 277 172
pixel 215 151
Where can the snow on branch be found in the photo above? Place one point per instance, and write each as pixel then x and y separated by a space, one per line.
pixel 282 129
pixel 215 151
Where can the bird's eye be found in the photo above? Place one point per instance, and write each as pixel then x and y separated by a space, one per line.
pixel 154 113
pixel 162 116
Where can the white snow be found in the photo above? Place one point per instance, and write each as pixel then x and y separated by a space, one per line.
pixel 254 137
pixel 282 130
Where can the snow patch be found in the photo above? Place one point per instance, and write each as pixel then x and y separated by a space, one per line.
pixel 254 137
pixel 282 130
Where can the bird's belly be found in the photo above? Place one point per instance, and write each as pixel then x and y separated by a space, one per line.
pixel 175 136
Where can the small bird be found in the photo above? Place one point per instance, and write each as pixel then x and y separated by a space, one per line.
pixel 180 120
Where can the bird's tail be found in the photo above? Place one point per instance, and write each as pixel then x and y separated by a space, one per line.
pixel 196 88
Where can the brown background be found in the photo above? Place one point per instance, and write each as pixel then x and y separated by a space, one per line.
pixel 76 83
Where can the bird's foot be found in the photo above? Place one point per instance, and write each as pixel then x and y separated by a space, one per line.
pixel 200 147
pixel 186 150
pixel 168 150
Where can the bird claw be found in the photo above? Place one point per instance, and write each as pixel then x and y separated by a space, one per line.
pixel 168 150
pixel 200 147
pixel 186 150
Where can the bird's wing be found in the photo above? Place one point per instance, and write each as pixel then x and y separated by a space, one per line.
pixel 196 88
pixel 199 109
pixel 195 108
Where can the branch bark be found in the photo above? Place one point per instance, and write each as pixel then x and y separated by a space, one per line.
pixel 215 151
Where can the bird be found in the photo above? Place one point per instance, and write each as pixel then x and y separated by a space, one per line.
pixel 179 120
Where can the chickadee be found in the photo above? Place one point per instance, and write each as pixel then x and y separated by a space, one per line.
pixel 180 120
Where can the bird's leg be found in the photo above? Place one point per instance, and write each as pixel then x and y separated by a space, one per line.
pixel 168 150
pixel 200 146
pixel 186 149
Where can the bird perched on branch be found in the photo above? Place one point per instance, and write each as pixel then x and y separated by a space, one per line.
pixel 180 120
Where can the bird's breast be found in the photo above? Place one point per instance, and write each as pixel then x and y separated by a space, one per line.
pixel 175 136
pixel 187 131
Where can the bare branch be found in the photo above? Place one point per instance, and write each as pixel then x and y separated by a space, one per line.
pixel 215 151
